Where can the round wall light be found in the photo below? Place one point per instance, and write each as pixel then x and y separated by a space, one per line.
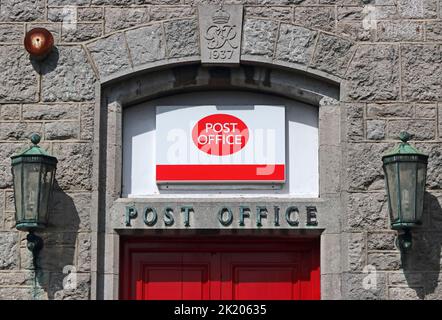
pixel 39 42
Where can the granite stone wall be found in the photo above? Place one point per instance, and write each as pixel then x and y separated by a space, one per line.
pixel 386 54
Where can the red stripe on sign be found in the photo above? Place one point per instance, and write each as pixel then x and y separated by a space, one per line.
pixel 220 172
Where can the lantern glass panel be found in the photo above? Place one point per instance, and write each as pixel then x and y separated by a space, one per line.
pixel 31 188
pixel 18 174
pixel 392 183
pixel 421 178
pixel 46 182
pixel 407 185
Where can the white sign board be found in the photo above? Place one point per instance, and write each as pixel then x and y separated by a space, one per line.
pixel 221 144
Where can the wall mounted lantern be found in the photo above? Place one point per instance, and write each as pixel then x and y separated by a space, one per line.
pixel 33 173
pixel 405 171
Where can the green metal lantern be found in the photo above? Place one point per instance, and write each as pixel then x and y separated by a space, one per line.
pixel 33 176
pixel 405 171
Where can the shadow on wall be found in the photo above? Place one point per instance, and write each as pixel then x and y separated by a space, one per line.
pixel 48 64
pixel 422 265
pixel 57 262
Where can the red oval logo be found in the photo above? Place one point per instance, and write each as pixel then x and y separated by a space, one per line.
pixel 220 134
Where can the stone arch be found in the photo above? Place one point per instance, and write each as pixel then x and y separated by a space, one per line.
pixel 268 42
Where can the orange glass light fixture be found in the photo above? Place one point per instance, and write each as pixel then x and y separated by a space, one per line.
pixel 39 42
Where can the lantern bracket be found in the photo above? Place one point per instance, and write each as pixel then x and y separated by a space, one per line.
pixel 35 244
pixel 404 240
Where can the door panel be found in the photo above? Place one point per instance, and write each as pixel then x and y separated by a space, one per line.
pixel 269 276
pixel 213 270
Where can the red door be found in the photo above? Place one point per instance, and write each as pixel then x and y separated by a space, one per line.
pixel 214 269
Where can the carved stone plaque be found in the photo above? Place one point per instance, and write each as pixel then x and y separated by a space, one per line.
pixel 220 33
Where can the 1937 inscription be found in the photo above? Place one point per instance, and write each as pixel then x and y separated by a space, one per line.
pixel 220 27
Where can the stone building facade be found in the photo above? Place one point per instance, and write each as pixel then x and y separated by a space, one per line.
pixel 372 67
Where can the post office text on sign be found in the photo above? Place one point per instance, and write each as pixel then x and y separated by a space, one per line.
pixel 225 216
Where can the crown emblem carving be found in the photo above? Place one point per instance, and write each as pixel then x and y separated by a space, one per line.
pixel 220 16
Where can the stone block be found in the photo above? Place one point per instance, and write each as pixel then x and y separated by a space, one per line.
pixel 364 286
pixel 74 287
pixel 9 201
pixel 422 72
pixel 434 170
pixel 364 165
pixel 11 32
pixel 425 110
pixel 51 112
pixel 295 44
pixel 412 279
pixel 87 122
pixel 22 278
pixel 376 129
pixel 23 293
pixel 425 253
pixel 124 17
pixel 433 286
pixel 367 211
pixel 354 122
pixel 19 130
pixel 159 13
pixel 182 38
pixel 433 30
pixel 62 130
pixel 84 252
pixel 90 14
pixel 6 151
pixel 9 250
pixel 80 32
pixel 332 54
pixel 277 2
pixel 390 110
pixel 330 253
pixel 129 2
pixel 10 111
pixel 74 169
pixel 417 9
pixel 356 251
pixel 19 80
pixel 146 44
pixel 419 129
pixel 400 31
pixel 387 12
pixel 110 54
pixel 56 238
pixel 373 73
pixel 355 31
pixel 67 76
pixel 350 13
pixel 381 240
pixel 317 17
pixel 23 10
pixel 259 37
pixel 2 209
pixel 385 261
pixel 64 14
pixel 70 212
pixel 439 112
pixel 282 13
pixel 68 2
pixel 53 27
pixel 406 293
pixel 46 261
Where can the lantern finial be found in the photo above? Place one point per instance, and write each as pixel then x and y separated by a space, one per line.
pixel 404 136
pixel 35 138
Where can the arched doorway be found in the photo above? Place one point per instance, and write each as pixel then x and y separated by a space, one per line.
pixel 304 221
